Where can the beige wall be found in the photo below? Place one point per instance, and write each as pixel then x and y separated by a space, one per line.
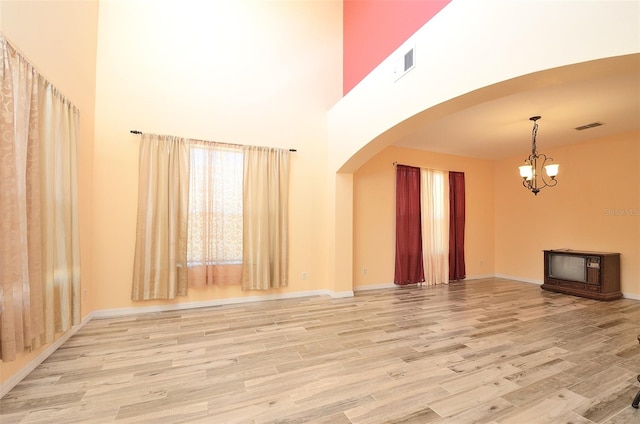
pixel 595 206
pixel 59 39
pixel 374 212
pixel 247 72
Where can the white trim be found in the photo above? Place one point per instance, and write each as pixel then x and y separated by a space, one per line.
pixel 631 296
pixel 13 381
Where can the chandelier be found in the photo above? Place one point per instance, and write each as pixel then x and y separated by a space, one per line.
pixel 532 176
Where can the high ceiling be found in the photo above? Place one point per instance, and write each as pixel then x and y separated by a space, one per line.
pixel 607 92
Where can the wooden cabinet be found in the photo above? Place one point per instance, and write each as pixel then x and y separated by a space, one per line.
pixel 595 275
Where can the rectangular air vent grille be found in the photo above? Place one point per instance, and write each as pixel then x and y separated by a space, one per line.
pixel 404 63
pixel 408 60
pixel 591 125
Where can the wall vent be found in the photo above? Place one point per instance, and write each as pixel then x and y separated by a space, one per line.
pixel 404 63
pixel 591 125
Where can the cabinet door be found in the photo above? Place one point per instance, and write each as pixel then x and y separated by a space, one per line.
pixel 593 270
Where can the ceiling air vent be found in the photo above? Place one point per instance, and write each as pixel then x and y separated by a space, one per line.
pixel 591 125
pixel 404 63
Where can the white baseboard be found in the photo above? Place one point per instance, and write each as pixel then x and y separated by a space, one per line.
pixel 13 381
pixel 631 296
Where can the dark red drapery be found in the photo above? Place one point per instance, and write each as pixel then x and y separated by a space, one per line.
pixel 409 266
pixel 457 269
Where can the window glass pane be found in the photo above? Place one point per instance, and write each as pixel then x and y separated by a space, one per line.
pixel 215 205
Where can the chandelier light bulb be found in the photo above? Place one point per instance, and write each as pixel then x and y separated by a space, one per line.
pixel 552 170
pixel 526 172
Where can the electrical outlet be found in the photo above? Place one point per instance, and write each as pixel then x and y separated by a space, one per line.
pixel 364 271
pixel 304 275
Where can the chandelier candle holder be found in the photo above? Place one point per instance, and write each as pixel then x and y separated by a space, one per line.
pixel 533 178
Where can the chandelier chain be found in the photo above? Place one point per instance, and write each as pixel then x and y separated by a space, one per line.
pixel 534 134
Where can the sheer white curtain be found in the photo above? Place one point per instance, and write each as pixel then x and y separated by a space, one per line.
pixel 265 217
pixel 160 262
pixel 434 207
pixel 214 250
pixel 39 242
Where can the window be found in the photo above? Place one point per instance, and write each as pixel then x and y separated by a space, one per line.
pixel 215 205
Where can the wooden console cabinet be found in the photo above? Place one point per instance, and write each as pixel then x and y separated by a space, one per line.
pixel 595 275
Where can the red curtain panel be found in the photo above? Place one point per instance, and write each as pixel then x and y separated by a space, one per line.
pixel 457 269
pixel 409 267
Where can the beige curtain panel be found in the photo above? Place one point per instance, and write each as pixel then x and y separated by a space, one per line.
pixel 39 242
pixel 160 262
pixel 265 217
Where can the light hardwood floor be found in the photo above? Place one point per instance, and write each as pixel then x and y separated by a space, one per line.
pixel 485 351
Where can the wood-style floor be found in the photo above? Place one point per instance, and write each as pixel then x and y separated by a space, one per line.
pixel 486 351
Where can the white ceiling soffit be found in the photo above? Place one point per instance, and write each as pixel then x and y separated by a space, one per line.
pixel 501 128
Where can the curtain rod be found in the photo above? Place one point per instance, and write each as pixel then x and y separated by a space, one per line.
pixel 395 165
pixel 140 132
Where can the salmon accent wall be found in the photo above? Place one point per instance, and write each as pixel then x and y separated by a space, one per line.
pixel 595 206
pixel 374 213
pixel 373 29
